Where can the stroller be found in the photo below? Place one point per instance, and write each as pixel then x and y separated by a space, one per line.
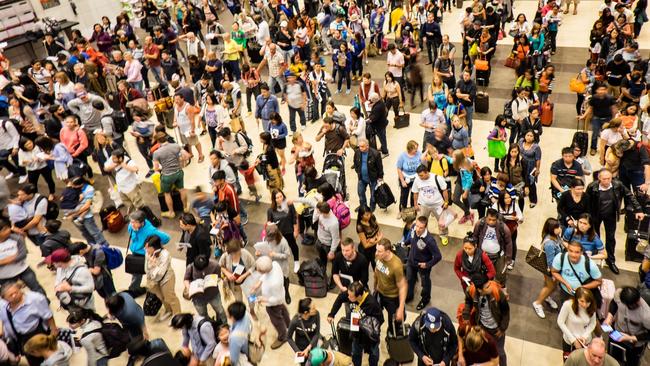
pixel 334 172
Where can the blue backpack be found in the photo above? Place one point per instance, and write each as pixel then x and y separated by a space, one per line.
pixel 114 258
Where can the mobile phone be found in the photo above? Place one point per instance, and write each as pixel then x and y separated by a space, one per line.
pixel 606 328
pixel 615 335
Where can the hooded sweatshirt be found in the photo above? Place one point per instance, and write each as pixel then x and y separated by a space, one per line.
pixel 81 280
pixel 93 342
pixel 59 358
pixel 138 237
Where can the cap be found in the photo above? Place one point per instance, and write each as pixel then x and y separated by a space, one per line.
pixel 432 319
pixel 57 256
pixel 284 24
pixel 288 74
pixel 317 356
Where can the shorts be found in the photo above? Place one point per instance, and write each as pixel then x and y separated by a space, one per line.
pixel 279 143
pixel 169 182
pixel 192 140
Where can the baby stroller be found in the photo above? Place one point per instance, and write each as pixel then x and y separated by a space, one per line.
pixel 334 172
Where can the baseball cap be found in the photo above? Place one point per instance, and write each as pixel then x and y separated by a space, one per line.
pixel 57 256
pixel 317 356
pixel 432 319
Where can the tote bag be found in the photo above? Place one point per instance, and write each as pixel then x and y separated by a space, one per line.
pixel 496 149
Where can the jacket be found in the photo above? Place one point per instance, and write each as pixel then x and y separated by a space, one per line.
pixel 200 242
pixel 503 236
pixel 375 165
pixel 429 254
pixel 80 279
pixel 137 238
pixel 432 32
pixel 378 115
pixel 498 301
pixel 620 193
pixel 93 341
pixel 369 307
pixel 421 345
pixel 59 358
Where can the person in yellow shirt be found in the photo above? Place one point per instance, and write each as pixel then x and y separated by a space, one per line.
pixel 231 56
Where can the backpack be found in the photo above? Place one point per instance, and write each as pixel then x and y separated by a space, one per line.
pixel 112 219
pixel 340 209
pixel 120 122
pixel 115 338
pixel 153 219
pixel 249 142
pixel 114 258
pixel 52 208
pixel 215 328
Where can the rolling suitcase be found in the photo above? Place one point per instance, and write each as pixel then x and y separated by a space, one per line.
pixel 399 348
pixel 344 336
pixel 547 114
pixel 483 77
pixel 482 102
pixel 176 199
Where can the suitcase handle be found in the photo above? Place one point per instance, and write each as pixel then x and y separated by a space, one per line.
pixel 334 334
pixel 395 326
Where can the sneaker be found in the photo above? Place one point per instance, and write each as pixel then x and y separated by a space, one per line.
pixel 444 239
pixel 168 214
pixel 9 176
pixel 551 303
pixel 384 156
pixel 347 91
pixel 277 344
pixel 165 316
pixel 338 91
pixel 539 310
pixel 511 266
pixel 532 205
pixel 296 266
pixel 302 127
pixel 22 179
pixel 244 221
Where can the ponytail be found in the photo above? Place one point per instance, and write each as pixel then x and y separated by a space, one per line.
pixel 39 343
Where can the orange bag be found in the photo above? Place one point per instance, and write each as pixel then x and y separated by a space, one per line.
pixel 547 114
pixel 481 65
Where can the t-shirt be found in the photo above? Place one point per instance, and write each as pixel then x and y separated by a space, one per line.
pixel 88 192
pixel 602 107
pixel 388 275
pixel 428 192
pixel 594 246
pixel 490 244
pixel 567 273
pixel 334 139
pixel 356 270
pixel 564 174
pixel 168 157
pixel 408 165
pixel 126 181
pixel 577 358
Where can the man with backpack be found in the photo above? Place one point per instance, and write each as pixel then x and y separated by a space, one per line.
pixel 97 264
pixel 199 337
pixel 487 305
pixel 108 124
pixel 433 338
pixel 493 237
pixel 37 208
pixel 15 265
pixel 573 269
pixel 430 197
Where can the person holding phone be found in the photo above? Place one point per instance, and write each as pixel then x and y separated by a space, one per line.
pixel 628 318
pixel 577 320
pixel 574 269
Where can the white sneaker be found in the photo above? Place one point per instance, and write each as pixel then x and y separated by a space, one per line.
pixel 9 176
pixel 511 266
pixel 551 303
pixel 22 179
pixel 296 266
pixel 539 310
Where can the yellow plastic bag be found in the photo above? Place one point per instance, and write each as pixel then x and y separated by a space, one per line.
pixel 473 51
pixel 155 179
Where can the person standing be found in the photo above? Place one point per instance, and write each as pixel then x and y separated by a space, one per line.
pixel 431 197
pixel 577 320
pixel 629 315
pixel 433 338
pixel 395 62
pixel 305 327
pixel 14 265
pixel 295 95
pixel 573 269
pixel 601 108
pixel 563 172
pixel 201 267
pixel 126 179
pixel 272 290
pixel 377 120
pixel 196 236
pixel 390 284
pixel 605 196
pixel 161 277
pixel 424 254
pixel 185 121
pixel 369 169
pixel 493 237
pixel 265 104
pixel 595 354
pixel 168 159
pixel 492 311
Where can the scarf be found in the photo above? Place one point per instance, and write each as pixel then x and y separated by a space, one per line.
pixel 475 265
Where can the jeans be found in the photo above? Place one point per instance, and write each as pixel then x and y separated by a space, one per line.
pixel 357 353
pixel 596 125
pixel 13 167
pixel 468 118
pixel 609 221
pixel 357 66
pixel 432 50
pixel 108 286
pixel 102 361
pixel 144 144
pixel 292 117
pixel 158 75
pixel 631 179
pixel 201 305
pixel 501 346
pixel 462 203
pixel 91 232
pixel 316 115
pixel 273 81
pixel 361 190
pixel 380 132
pixel 233 69
pixel 254 91
pixel 138 85
pixel 412 273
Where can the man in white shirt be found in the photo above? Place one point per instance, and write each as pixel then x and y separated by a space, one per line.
pixel 9 138
pixel 430 119
pixel 126 179
pixel 272 296
pixel 430 196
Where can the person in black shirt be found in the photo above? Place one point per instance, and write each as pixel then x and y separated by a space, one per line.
pixel 466 94
pixel 602 108
pixel 617 70
pixel 196 237
pixel 633 86
pixel 564 171
pixel 433 338
pixel 170 65
pixel 303 333
pixel 52 45
pixel 572 204
pixel 634 170
pixel 349 266
pixel 160 39
pixel 441 141
pixel 197 69
pixel 605 196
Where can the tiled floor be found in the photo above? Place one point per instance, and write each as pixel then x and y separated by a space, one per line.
pixel 531 341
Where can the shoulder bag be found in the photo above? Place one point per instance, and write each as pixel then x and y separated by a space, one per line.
pixel 536 257
pixel 133 263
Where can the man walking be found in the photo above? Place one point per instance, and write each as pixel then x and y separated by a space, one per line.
pixel 424 254
pixel 370 170
pixel 430 196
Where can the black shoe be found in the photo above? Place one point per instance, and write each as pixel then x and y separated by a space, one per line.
pixel 421 305
pixel 287 300
pixel 612 266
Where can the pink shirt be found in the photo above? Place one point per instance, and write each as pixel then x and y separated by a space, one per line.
pixel 75 141
pixel 132 70
pixel 395 59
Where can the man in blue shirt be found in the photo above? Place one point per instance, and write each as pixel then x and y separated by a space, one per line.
pixel 139 230
pixel 424 254
pixel 369 168
pixel 265 104
pixel 571 270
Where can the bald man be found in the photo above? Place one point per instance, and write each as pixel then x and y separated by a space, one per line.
pixel 594 355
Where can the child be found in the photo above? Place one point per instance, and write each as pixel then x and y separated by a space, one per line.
pixel 248 171
pixel 498 135
pixel 465 167
pixel 279 132
pixel 70 198
pixel 202 206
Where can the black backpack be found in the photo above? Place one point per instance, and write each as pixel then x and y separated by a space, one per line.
pixel 115 338
pixel 120 122
pixel 153 219
pixel 249 142
pixel 52 208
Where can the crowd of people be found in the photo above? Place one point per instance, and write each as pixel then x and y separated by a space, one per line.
pixel 167 77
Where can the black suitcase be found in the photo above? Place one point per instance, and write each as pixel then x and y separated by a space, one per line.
pixel 482 102
pixel 344 336
pixel 636 231
pixel 176 199
pixel 483 77
pixel 399 348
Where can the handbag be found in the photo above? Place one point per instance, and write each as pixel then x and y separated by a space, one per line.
pixel 537 259
pixel 496 149
pixel 133 263
pixel 481 65
pixel 576 85
pixel 151 305
pixel 408 214
pixel 512 62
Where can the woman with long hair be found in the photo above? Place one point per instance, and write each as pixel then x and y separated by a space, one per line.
pixel 536 52
pixel 521 50
pixel 31 158
pixel 471 259
pixel 369 233
pixel 531 158
pixel 55 353
pixel 584 233
pixel 27 121
pixel 545 79
pixel 552 246
pixel 358 49
pixel 55 153
pixel 514 168
pixel 391 92
pixel 465 168
pixel 438 92
pixel 270 165
pixel 279 253
pixel 236 264
pixel 477 347
pixel 407 164
pixel 481 190
pixel 90 324
pixel 283 215
pixel 611 133
pixel 577 320
pixel 512 217
pixel 103 148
